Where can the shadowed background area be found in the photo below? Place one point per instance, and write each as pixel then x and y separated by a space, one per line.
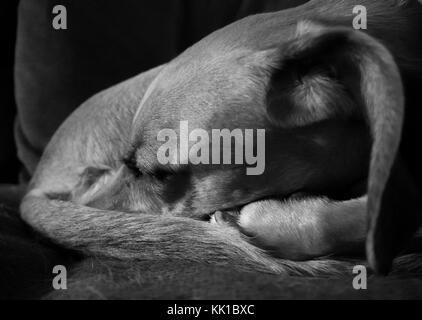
pixel 8 160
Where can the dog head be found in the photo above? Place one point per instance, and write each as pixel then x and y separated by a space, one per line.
pixel 297 94
pixel 328 97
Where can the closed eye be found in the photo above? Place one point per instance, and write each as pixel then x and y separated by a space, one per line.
pixel 160 174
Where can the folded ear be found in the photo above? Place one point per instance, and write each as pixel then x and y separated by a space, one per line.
pixel 328 72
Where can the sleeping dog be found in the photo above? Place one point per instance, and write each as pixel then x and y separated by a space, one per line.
pixel 331 101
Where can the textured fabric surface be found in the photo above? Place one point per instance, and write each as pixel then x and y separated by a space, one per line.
pixel 95 279
pixel 26 261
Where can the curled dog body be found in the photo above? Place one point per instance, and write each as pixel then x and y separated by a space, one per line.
pixel 331 101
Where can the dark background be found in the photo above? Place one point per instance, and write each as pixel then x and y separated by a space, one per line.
pixel 9 163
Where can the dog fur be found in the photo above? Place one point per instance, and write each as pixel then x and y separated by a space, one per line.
pixel 86 193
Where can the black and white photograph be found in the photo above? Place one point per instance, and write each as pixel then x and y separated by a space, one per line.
pixel 211 153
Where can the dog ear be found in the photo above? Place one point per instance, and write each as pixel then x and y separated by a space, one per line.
pixel 333 72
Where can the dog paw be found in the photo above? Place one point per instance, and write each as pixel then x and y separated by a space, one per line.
pixel 286 229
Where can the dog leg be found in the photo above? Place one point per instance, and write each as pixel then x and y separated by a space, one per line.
pixel 302 229
pixel 157 237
